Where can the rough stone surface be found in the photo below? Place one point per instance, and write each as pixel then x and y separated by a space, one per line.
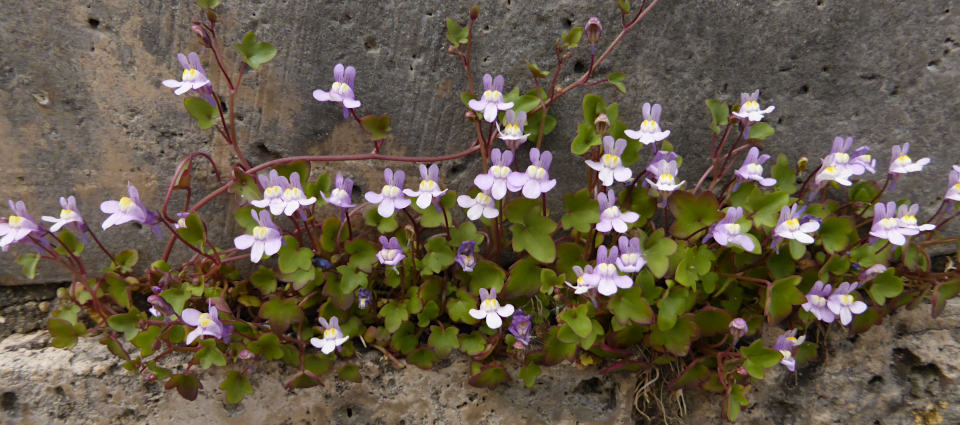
pixel 84 111
pixel 25 308
pixel 901 372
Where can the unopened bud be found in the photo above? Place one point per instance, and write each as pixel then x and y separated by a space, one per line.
pixel 593 30
pixel 364 298
pixel 161 307
pixel 602 124
pixel 475 12
pixel 211 16
pixel 452 50
pixel 802 164
pixel 742 371
pixel 202 35
pixel 470 115
pixel 245 354
pixel 738 328
pixel 149 377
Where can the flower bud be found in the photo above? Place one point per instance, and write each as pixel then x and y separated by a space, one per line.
pixel 593 30
pixel 161 307
pixel 451 50
pixel 738 328
pixel 202 35
pixel 601 124
pixel 321 262
pixel 802 164
pixel 871 272
pixel 470 116
pixel 245 354
pixel 475 12
pixel 364 298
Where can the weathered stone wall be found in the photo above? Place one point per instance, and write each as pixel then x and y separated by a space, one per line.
pixel 84 111
pixel 904 371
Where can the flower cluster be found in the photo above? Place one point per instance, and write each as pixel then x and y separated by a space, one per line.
pixel 826 303
pixel 693 274
pixel 606 278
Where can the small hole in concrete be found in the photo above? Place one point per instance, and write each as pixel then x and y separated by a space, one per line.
pixel 94 22
pixel 8 400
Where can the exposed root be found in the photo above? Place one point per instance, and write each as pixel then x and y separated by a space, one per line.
pixel 396 363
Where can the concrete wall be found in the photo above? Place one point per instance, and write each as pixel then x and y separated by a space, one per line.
pixel 84 111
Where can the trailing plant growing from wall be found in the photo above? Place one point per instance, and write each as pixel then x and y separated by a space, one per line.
pixel 644 267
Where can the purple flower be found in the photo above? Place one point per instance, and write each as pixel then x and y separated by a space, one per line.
pixel 281 195
pixel 390 196
pixel 206 324
pixel 364 298
pixel 738 328
pixel 855 164
pixel 611 167
pixel 665 171
pixel 193 78
pixel 341 91
pixel 611 218
pixel 887 226
pixel 817 302
pixel 843 304
pixel 429 189
pixel 593 30
pixel 839 165
pixel 631 258
pixel 583 276
pixel 340 194
pixel 536 181
pixel 650 131
pixel 128 209
pixel 181 220
pixel 512 133
pixel 752 169
pixel 333 337
pixel 832 173
pixel 490 309
pixel 273 185
pixel 900 162
pixel 953 190
pixel 265 238
pixel 492 99
pixel 790 227
pixel 907 219
pixel 68 215
pixel 495 180
pixel 651 171
pixel 391 253
pixel 520 327
pixel 480 205
pixel 750 108
pixel 606 277
pixel 727 231
pixel 787 344
pixel 465 256
pixel 18 226
pixel 294 197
